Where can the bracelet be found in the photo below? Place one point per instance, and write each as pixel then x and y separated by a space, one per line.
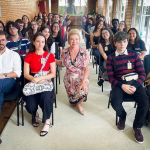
pixel 83 81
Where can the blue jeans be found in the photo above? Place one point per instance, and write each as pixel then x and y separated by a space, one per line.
pixel 6 85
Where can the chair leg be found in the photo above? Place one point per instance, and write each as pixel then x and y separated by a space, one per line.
pixel 102 87
pixel 59 76
pixel 22 112
pixel 52 117
pixel 17 113
pixel 116 119
pixel 109 102
pixel 56 82
pixel 55 102
pixel 96 68
pixel 135 105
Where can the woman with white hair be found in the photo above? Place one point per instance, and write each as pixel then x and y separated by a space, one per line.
pixel 76 79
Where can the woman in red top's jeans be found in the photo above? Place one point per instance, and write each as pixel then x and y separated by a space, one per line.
pixel 32 65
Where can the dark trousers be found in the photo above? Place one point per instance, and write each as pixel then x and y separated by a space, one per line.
pixel 44 100
pixel 6 85
pixel 88 45
pixel 139 96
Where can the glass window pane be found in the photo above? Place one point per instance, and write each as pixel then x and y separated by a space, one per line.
pixel 139 6
pixel 137 22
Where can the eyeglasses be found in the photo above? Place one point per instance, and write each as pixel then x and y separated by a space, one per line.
pixel 2 40
pixel 121 23
pixel 33 24
pixel 56 26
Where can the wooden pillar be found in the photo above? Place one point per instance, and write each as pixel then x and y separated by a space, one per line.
pixel 100 6
pixel 128 13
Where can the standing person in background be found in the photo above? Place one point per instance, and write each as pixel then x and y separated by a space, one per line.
pixel 32 30
pixel 115 23
pixel 40 15
pixel 32 65
pixel 94 38
pixel 45 20
pixel 90 29
pixel 76 79
pixel 68 28
pixel 84 25
pixel 45 30
pixel 26 22
pixel 20 24
pixel 39 22
pixel 50 20
pixel 106 47
pixel 135 43
pixel 15 41
pixel 122 26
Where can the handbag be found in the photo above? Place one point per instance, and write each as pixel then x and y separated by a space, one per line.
pixel 34 88
pixel 129 78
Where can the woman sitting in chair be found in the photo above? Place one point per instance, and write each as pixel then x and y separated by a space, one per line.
pixel 76 80
pixel 94 38
pixel 106 47
pixel 32 65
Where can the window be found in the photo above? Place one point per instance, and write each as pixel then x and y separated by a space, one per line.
pixel 73 7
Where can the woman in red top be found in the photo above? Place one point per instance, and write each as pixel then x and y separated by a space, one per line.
pixel 32 65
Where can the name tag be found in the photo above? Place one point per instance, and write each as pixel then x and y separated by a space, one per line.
pixel 43 60
pixel 106 48
pixel 129 65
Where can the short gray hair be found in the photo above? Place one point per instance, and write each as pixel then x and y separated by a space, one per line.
pixel 74 31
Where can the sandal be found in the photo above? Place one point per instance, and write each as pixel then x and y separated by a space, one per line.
pixel 36 124
pixel 45 132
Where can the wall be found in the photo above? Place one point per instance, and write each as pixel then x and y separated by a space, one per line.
pixel 91 5
pixel 15 9
pixel 54 6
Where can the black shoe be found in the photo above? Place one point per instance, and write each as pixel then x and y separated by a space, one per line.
pixel 121 124
pixel 45 132
pixel 100 82
pixel 35 123
pixel 0 141
pixel 138 135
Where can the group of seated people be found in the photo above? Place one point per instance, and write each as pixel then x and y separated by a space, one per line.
pixel 119 57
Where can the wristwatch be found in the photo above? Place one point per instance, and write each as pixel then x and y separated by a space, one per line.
pixel 5 74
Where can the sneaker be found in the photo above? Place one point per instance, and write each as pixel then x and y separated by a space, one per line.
pixel 100 82
pixel 121 124
pixel 138 135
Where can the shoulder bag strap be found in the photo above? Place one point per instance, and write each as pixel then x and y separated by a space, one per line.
pixel 19 47
pixel 45 61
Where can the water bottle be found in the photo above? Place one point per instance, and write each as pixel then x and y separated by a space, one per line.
pixel 141 34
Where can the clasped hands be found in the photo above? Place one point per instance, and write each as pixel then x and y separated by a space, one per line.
pixel 38 80
pixel 129 89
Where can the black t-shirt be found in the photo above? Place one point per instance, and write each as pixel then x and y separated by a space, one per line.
pixel 60 41
pixel 113 30
pixel 138 47
pixel 108 50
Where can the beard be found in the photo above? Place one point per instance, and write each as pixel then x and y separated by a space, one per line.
pixel 2 47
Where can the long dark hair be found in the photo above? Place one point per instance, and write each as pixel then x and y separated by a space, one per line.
pixel 59 35
pixel 32 47
pixel 102 40
pixel 93 21
pixel 97 24
pixel 28 19
pixel 50 40
pixel 2 25
pixel 30 32
pixel 137 39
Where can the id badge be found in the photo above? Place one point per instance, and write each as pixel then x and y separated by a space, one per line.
pixel 42 60
pixel 129 65
pixel 106 48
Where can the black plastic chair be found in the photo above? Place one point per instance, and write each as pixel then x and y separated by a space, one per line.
pixel 147 64
pixel 16 96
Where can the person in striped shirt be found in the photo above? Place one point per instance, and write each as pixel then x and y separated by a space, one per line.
pixel 15 42
pixel 127 61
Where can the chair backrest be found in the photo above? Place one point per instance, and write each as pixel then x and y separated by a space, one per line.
pixel 147 64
